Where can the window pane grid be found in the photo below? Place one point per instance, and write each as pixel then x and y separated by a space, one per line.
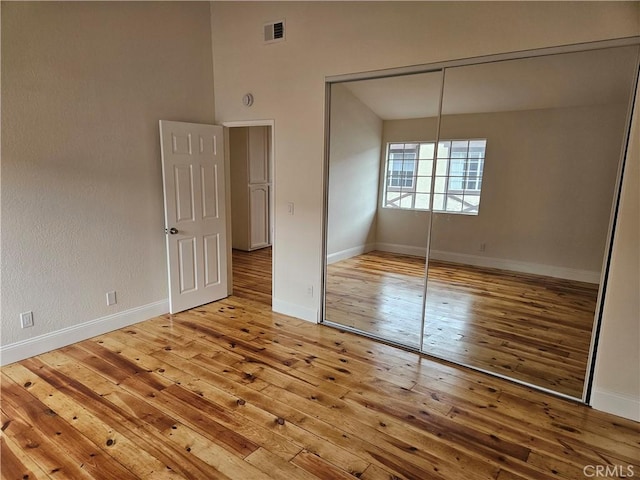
pixel 458 183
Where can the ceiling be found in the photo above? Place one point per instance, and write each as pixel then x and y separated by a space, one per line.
pixel 564 80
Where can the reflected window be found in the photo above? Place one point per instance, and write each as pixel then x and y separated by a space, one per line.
pixel 402 165
pixel 458 176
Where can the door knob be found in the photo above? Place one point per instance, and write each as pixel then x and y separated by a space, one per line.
pixel 172 230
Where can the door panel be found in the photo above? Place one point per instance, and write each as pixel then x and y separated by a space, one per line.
pixel 258 155
pixel 183 177
pixel 209 177
pixel 187 264
pixel 181 144
pixel 194 199
pixel 259 204
pixel 212 254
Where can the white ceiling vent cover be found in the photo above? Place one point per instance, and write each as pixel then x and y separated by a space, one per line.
pixel 274 31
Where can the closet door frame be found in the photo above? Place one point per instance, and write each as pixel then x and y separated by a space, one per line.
pixel 486 59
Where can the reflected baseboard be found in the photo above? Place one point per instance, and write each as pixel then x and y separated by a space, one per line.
pixel 402 249
pixel 350 252
pixel 492 262
pixel 518 266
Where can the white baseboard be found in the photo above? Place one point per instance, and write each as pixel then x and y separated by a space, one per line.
pixel 617 404
pixel 350 252
pixel 15 352
pixel 492 262
pixel 402 249
pixel 293 310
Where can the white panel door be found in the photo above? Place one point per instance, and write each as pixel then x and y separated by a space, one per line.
pixel 194 209
pixel 259 216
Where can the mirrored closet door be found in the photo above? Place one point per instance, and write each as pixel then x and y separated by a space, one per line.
pixel 469 209
pixel 528 164
pixel 379 193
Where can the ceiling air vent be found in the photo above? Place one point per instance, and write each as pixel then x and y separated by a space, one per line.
pixel 274 31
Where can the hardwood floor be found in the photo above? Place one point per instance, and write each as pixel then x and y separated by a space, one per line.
pixel 233 390
pixel 532 328
pixel 252 275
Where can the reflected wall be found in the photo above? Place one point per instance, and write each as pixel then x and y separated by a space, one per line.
pixel 367 289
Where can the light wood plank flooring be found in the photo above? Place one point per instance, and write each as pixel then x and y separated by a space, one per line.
pixel 232 390
pixel 532 328
pixel 252 275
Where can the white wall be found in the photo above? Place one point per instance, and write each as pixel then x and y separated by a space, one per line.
pixel 547 190
pixel 330 38
pixel 83 88
pixel 616 385
pixel 356 136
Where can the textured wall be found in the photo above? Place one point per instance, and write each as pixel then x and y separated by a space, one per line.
pixel 83 88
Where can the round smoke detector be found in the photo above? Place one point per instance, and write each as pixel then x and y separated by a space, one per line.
pixel 247 100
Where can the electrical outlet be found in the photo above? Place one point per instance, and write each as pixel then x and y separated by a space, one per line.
pixel 111 298
pixel 483 247
pixel 310 290
pixel 290 208
pixel 26 319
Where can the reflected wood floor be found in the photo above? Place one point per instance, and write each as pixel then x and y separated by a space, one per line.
pixel 533 328
pixel 233 390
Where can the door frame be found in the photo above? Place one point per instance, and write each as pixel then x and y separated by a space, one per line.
pixel 272 176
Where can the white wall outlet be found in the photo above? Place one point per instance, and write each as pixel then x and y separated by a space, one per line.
pixel 290 208
pixel 26 319
pixel 310 290
pixel 483 247
pixel 111 298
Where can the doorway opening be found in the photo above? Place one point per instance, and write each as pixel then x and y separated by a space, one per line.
pixel 251 192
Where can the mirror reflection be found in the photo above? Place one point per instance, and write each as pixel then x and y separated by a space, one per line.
pixel 513 286
pixel 506 207
pixel 370 278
